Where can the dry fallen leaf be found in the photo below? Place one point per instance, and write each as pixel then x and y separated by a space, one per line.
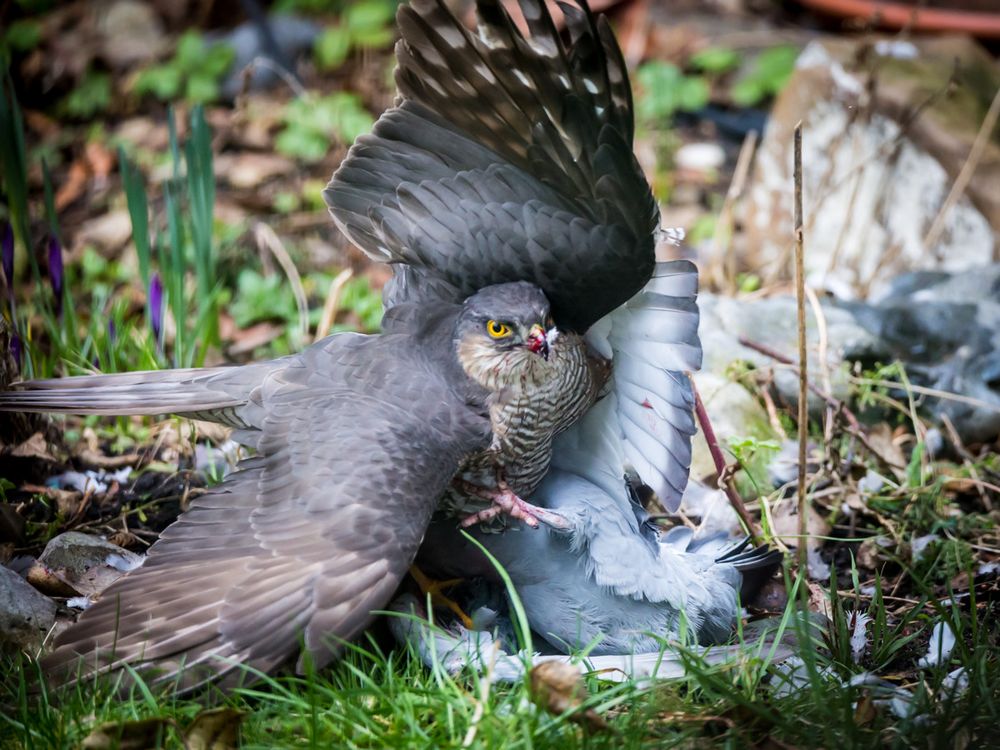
pixel 215 729
pixel 143 734
pixel 34 447
pixel 245 340
pixel 73 185
pixel 786 525
pixel 558 688
pixel 881 440
pixel 108 233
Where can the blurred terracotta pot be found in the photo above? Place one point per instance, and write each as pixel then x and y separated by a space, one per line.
pixel 970 17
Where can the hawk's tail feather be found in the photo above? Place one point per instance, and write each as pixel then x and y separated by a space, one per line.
pixel 213 393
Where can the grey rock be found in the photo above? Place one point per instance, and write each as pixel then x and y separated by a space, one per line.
pixel 86 563
pixel 874 181
pixel 943 327
pixel 130 32
pixel 25 614
pixel 292 36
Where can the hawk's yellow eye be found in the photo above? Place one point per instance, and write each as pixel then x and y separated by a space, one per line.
pixel 497 330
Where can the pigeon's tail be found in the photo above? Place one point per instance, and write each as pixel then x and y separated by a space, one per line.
pixel 214 393
pixel 756 565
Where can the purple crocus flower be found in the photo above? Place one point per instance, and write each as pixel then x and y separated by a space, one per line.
pixel 7 254
pixel 56 271
pixel 155 302
pixel 16 350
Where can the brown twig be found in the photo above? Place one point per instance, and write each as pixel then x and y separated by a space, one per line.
pixel 925 391
pixel 965 173
pixel 723 260
pixel 267 238
pixel 725 479
pixel 332 303
pixel 800 298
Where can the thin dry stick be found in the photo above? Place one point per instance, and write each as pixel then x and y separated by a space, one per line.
pixel 332 302
pixel 725 480
pixel 965 173
pixel 267 238
pixel 772 412
pixel 800 298
pixel 722 255
pixel 925 391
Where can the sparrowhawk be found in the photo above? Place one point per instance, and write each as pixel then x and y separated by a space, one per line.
pixel 503 190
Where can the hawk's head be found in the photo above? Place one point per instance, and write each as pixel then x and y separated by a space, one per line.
pixel 504 334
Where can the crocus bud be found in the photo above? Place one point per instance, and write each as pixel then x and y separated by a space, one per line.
pixel 155 302
pixel 56 271
pixel 16 350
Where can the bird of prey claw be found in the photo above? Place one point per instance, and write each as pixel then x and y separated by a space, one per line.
pixel 435 589
pixel 505 502
pixel 503 191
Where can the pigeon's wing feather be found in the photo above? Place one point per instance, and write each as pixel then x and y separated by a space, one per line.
pixel 358 437
pixel 645 423
pixel 508 157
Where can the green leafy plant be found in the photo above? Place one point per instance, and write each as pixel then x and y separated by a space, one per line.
pixel 91 96
pixel 186 248
pixel 259 298
pixel 359 297
pixel 193 73
pixel 312 123
pixel 664 89
pixel 766 76
pixel 364 25
pixel 22 35
pixel 715 60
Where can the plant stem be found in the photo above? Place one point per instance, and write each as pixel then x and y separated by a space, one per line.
pixel 800 298
pixel 725 480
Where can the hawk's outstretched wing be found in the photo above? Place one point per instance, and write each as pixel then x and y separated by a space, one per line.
pixel 357 437
pixel 507 158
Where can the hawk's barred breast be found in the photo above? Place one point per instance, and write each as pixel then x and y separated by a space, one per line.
pixel 546 398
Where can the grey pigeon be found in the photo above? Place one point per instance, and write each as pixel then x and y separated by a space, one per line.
pixel 503 189
pixel 606 580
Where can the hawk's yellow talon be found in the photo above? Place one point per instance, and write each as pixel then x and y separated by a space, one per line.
pixel 434 588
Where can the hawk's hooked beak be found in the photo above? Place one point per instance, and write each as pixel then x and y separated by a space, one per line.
pixel 538 340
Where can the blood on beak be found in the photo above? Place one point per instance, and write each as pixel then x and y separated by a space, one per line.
pixel 537 341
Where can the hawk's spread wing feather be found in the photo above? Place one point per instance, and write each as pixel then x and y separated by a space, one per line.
pixel 357 438
pixel 508 157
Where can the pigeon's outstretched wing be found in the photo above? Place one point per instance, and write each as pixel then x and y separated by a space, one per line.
pixel 645 424
pixel 357 437
pixel 508 157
